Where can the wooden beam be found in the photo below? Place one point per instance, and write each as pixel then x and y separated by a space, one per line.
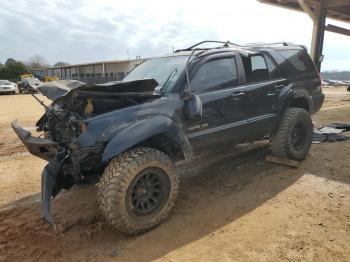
pixel 335 3
pixel 338 30
pixel 308 10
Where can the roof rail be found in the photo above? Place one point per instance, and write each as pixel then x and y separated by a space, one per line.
pixel 268 44
pixel 195 46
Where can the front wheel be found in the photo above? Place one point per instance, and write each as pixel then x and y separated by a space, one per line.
pixel 137 190
pixel 294 136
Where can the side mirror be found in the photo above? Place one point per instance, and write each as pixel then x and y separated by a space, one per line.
pixel 194 107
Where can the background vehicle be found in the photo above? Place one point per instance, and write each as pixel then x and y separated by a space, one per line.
pixel 28 85
pixel 167 109
pixel 7 87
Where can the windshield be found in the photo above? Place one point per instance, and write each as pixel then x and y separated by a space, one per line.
pixel 165 70
pixel 4 82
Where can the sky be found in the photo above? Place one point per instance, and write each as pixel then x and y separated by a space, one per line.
pixel 83 31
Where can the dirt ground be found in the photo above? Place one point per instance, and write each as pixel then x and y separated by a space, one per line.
pixel 233 205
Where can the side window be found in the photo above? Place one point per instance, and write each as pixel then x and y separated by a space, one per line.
pixel 296 62
pixel 274 73
pixel 255 68
pixel 215 75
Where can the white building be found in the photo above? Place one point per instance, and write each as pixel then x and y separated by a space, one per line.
pixel 95 72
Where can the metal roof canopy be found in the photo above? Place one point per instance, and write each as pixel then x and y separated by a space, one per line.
pixel 319 10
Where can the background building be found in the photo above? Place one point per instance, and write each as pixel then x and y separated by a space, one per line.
pixel 95 72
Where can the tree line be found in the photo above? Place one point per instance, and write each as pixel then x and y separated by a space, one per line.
pixel 336 75
pixel 13 69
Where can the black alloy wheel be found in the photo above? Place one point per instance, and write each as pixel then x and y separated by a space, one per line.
pixel 149 190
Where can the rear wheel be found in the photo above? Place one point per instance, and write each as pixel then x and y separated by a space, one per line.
pixel 137 190
pixel 294 136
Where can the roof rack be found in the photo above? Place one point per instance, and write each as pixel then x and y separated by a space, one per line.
pixel 195 47
pixel 227 44
pixel 269 44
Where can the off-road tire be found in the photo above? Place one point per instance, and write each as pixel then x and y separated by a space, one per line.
pixel 281 141
pixel 118 177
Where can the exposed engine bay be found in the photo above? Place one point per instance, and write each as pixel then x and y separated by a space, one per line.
pixel 65 119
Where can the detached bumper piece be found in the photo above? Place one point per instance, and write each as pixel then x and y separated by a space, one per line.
pixel 41 147
pixel 46 149
pixel 49 186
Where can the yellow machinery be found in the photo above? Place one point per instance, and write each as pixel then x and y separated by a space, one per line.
pixel 44 79
pixel 50 78
pixel 26 76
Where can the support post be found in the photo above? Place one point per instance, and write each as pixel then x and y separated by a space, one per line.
pixel 318 16
pixel 318 37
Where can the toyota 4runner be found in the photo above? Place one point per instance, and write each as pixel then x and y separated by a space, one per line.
pixel 130 133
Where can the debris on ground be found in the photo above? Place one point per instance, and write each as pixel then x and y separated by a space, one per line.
pixel 331 133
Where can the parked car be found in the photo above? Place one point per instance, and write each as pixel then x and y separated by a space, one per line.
pixel 28 85
pixel 169 108
pixel 7 87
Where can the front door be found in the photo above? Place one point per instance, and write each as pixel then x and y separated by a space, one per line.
pixel 216 82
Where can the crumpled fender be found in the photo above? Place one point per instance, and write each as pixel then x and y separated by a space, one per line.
pixel 143 129
pixel 288 94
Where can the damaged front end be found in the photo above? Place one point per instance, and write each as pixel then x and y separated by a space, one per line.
pixel 64 168
pixel 48 150
pixel 73 150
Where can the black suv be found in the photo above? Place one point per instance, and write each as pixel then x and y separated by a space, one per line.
pixel 130 133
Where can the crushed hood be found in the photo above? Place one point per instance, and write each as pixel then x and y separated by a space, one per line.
pixel 56 89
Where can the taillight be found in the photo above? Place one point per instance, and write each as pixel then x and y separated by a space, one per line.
pixel 321 80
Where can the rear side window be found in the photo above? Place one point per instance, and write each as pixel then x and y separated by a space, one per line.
pixel 296 62
pixel 255 68
pixel 215 75
pixel 274 73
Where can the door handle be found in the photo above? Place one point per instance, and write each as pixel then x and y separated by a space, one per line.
pixel 238 95
pixel 279 85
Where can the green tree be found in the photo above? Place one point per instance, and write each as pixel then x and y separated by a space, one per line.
pixel 13 69
pixel 10 61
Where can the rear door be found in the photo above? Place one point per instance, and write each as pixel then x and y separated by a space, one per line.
pixel 263 84
pixel 216 81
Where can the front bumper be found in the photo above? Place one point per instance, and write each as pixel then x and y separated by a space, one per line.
pixel 40 147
